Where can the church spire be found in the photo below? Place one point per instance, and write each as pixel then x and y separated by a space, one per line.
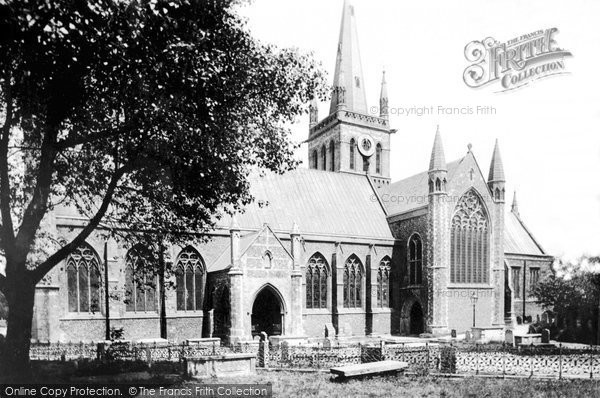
pixel 348 77
pixel 383 99
pixel 515 206
pixel 438 160
pixel 496 178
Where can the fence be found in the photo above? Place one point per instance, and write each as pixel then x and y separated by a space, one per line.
pixel 443 358
pixel 132 351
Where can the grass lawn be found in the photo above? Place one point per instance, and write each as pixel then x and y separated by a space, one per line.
pixel 292 384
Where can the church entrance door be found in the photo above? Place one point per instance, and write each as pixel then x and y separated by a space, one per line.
pixel 416 319
pixel 267 313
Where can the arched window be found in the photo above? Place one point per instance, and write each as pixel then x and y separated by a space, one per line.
pixel 189 280
pixel 365 163
pixel 378 159
pixel 83 280
pixel 332 156
pixel 140 283
pixel 353 273
pixel 352 156
pixel 469 257
pixel 415 260
pixel 383 282
pixel 267 259
pixel 323 157
pixel 317 277
pixel 315 160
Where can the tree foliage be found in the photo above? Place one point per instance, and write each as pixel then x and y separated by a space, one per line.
pixel 145 115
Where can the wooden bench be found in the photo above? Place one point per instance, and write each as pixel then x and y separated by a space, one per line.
pixel 366 369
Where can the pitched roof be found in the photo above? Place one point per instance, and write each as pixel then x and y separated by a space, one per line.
pixel 320 202
pixel 412 192
pixel 518 239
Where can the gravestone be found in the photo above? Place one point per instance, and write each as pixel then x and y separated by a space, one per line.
pixel 509 337
pixel 546 336
pixel 329 330
pixel 346 329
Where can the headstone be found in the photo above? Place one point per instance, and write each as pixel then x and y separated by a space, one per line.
pixel 468 335
pixel 453 333
pixel 326 344
pixel 509 337
pixel 329 330
pixel 346 329
pixel 546 336
pixel 519 320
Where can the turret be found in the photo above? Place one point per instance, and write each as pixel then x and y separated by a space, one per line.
pixel 496 177
pixel 383 99
pixel 313 111
pixel 515 207
pixel 438 171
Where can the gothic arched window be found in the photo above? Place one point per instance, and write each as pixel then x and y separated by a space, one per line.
pixel 353 275
pixel 84 280
pixel 189 280
pixel 140 283
pixel 317 273
pixel 323 157
pixel 378 159
pixel 469 257
pixel 352 156
pixel 332 156
pixel 383 282
pixel 315 160
pixel 415 260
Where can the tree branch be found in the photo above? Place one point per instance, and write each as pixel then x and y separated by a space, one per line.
pixel 37 207
pixel 73 141
pixel 7 229
pixel 38 273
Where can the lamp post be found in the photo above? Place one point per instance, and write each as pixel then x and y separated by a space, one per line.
pixel 474 299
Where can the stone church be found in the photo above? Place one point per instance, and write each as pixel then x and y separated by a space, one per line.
pixel 332 249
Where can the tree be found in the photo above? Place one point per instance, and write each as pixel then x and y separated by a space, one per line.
pixel 572 292
pixel 145 115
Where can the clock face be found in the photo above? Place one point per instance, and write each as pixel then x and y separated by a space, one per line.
pixel 366 146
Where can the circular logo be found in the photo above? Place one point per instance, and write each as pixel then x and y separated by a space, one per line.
pixel 366 146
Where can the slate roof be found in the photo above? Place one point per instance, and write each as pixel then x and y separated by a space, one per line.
pixel 412 192
pixel 518 239
pixel 320 202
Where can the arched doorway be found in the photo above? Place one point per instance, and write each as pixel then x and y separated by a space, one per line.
pixel 416 319
pixel 267 313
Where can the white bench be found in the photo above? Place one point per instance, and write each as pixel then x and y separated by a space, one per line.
pixel 365 369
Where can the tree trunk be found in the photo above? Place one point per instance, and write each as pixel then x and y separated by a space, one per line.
pixel 15 358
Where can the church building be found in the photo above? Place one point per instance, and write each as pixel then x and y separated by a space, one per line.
pixel 335 249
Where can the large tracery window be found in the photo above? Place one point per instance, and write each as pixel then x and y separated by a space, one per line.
pixel 316 282
pixel 140 283
pixel 189 280
pixel 83 280
pixel 383 283
pixel 469 259
pixel 323 157
pixel 353 274
pixel 415 260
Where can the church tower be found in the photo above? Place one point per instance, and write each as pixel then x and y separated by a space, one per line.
pixel 353 138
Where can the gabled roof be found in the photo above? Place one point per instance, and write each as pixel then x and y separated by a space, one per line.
pixel 320 202
pixel 412 192
pixel 518 239
pixel 224 260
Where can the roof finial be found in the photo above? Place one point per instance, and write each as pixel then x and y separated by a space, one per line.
pixel 515 206
pixel 383 98
pixel 234 223
pixel 469 147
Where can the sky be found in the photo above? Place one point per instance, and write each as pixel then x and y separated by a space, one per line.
pixel 547 130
